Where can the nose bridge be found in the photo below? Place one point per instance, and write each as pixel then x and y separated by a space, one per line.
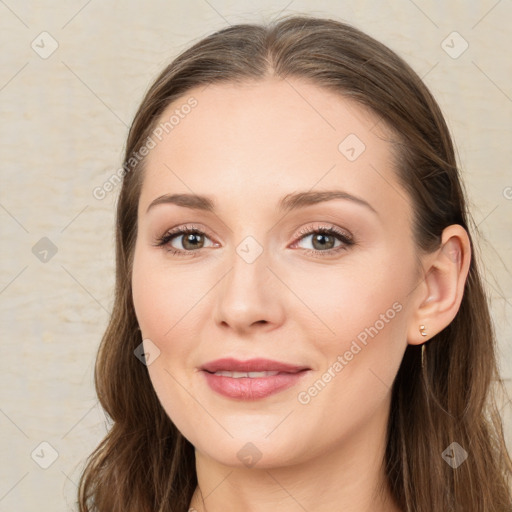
pixel 247 294
pixel 249 275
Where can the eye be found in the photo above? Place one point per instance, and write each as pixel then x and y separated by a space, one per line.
pixel 324 238
pixel 190 237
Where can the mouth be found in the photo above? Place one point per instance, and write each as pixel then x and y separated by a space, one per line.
pixel 253 379
pixel 256 365
pixel 239 375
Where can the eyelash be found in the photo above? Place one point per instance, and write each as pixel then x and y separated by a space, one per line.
pixel 345 238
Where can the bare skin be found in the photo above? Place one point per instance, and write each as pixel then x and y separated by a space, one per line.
pixel 246 147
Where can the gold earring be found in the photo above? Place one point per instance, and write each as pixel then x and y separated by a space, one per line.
pixel 423 333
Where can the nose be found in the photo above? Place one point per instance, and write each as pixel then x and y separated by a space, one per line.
pixel 249 296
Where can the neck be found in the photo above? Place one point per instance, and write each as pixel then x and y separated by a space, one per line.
pixel 348 478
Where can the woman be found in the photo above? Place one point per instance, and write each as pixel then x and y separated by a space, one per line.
pixel 299 321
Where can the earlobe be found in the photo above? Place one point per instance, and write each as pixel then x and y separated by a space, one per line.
pixel 442 289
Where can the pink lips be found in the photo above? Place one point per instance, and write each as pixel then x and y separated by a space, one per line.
pixel 251 388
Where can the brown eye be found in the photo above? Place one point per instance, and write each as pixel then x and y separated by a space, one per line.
pixel 323 241
pixel 184 241
pixel 191 241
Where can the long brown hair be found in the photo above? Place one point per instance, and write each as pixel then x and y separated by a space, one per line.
pixel 144 464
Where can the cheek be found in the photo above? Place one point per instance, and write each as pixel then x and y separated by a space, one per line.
pixel 162 296
pixel 161 300
pixel 361 318
pixel 148 294
pixel 352 384
pixel 343 302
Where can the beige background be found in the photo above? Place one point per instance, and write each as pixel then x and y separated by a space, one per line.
pixel 64 121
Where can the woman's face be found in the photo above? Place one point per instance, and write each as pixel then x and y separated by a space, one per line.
pixel 259 281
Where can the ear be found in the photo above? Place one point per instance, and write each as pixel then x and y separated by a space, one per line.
pixel 440 293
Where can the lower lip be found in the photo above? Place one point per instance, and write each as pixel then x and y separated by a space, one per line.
pixel 246 388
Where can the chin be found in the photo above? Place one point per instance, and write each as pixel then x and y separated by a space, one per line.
pixel 253 451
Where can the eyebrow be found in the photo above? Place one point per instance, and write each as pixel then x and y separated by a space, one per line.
pixel 292 201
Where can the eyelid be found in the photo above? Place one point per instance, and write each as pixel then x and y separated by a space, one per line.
pixel 324 227
pixel 188 227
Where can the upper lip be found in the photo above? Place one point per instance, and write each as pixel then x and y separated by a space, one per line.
pixel 229 364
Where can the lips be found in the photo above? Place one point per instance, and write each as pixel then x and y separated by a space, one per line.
pixel 252 379
pixel 252 365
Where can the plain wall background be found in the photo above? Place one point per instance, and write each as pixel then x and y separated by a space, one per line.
pixel 64 122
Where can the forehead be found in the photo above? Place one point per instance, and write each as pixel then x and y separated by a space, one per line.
pixel 268 138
